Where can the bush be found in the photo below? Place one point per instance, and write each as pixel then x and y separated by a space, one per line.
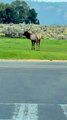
pixel 50 32
pixel 13 32
pixel 60 37
pixel 2 35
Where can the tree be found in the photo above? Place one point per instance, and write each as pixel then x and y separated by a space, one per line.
pixel 17 12
pixel 32 16
pixel 21 9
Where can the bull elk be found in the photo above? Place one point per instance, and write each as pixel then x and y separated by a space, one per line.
pixel 35 39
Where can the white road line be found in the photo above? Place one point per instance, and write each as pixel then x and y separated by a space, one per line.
pixel 64 108
pixel 25 112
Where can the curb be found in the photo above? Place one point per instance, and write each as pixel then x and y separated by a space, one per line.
pixel 30 60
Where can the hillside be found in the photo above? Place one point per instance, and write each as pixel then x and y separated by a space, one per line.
pixel 50 13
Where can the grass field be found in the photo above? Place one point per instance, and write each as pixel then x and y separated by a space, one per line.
pixel 16 48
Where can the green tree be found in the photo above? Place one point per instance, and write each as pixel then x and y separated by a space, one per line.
pixel 17 12
pixel 32 16
pixel 21 9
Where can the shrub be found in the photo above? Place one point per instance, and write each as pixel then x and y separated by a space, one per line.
pixel 2 35
pixel 50 32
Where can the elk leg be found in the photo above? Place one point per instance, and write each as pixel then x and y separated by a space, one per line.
pixel 38 45
pixel 33 45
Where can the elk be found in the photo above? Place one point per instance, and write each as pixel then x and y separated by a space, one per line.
pixel 35 39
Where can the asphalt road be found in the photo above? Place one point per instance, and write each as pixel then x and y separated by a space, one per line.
pixel 33 90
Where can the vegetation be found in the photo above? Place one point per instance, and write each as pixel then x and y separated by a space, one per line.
pixel 47 32
pixel 13 45
pixel 18 48
pixel 17 12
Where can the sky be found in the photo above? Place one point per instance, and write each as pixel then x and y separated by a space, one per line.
pixel 51 0
pixel 36 0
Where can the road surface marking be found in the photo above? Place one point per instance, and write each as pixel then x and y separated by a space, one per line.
pixel 64 108
pixel 25 112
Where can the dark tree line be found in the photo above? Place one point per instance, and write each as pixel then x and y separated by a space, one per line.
pixel 17 12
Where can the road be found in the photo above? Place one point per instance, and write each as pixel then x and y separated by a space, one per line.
pixel 33 90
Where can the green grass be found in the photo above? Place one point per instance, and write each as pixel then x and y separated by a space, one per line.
pixel 16 48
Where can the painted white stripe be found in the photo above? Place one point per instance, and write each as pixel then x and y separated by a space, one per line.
pixel 25 112
pixel 64 108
